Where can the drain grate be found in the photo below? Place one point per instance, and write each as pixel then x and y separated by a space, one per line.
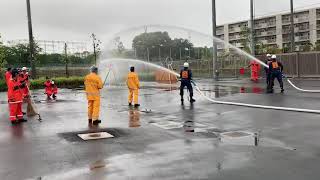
pixel 94 136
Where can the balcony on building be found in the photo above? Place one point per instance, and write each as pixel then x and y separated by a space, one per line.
pixel 318 14
pixel 265 23
pixel 302 38
pixel 237 27
pixel 220 30
pixel 235 37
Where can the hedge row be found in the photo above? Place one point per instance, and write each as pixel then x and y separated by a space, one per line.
pixel 62 82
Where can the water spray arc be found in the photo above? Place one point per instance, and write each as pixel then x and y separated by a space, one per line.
pixel 212 100
pixel 227 45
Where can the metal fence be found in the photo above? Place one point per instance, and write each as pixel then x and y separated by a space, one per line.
pixel 301 65
pixel 304 64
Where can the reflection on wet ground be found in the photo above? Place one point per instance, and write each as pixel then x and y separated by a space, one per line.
pixel 134 118
pixel 173 141
pixel 222 91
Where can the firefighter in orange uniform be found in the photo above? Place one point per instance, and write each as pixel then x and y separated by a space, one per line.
pixel 47 88
pixel 93 84
pixel 15 98
pixel 133 86
pixel 186 77
pixel 24 79
pixel 54 89
pixel 255 68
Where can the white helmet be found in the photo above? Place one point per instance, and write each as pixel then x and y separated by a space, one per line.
pixel 52 82
pixel 273 57
pixel 268 55
pixel 24 69
pixel 185 64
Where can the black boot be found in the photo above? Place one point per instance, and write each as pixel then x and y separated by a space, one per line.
pixel 23 120
pixel 54 96
pixel 192 100
pixel 96 122
pixel 15 122
pixel 130 104
pixel 136 105
pixel 89 121
pixel 282 90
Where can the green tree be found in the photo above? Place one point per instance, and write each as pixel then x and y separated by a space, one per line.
pixel 160 44
pixel 3 61
pixel 308 46
pixel 316 47
pixel 245 38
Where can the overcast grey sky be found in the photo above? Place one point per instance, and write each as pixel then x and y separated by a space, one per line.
pixel 76 19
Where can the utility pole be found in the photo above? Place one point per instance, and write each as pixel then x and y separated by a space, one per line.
pixel 252 28
pixel 292 27
pixel 31 42
pixel 214 48
pixel 66 59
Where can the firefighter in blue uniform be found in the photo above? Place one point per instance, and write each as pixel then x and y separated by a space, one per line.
pixel 186 77
pixel 266 69
pixel 275 69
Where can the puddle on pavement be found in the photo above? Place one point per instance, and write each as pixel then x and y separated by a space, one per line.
pixel 239 138
pixel 246 138
pixel 167 125
pixel 222 91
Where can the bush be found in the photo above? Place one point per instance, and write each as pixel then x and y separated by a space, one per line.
pixel 61 82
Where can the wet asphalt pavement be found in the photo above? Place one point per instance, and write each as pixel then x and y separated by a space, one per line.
pixel 165 140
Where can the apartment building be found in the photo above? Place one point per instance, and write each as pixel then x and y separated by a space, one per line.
pixel 275 30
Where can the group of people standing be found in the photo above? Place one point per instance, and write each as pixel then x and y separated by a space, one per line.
pixel 18 83
pixel 274 71
pixel 93 84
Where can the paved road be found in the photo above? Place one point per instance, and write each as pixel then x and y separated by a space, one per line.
pixel 203 141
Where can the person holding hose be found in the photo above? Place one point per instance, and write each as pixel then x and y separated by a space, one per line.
pixel 93 84
pixel 24 79
pixel 275 69
pixel 133 86
pixel 268 75
pixel 15 98
pixel 186 78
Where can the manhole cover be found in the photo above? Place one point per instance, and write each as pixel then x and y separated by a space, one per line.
pixel 93 136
